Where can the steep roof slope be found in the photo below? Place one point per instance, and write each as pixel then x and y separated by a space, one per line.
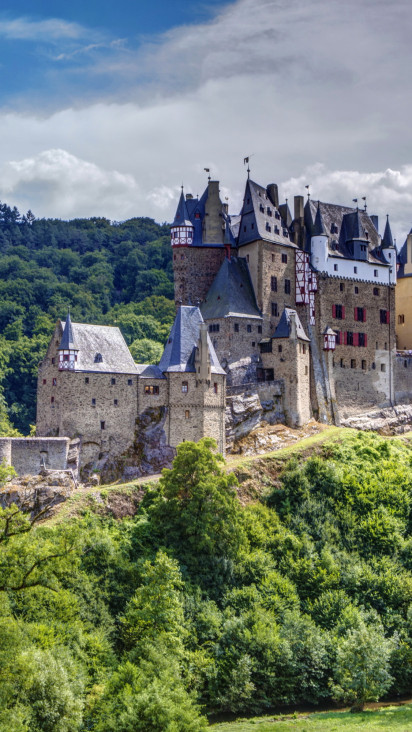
pixel 180 349
pixel 104 343
pixel 231 292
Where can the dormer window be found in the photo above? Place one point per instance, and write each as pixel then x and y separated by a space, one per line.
pixel 262 208
pixel 277 215
pixel 269 211
pixel 98 358
pixel 268 227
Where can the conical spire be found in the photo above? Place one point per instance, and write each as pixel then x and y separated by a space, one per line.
pixel 67 341
pixel 319 228
pixel 182 214
pixel 387 240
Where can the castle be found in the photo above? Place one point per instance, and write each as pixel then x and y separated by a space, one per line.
pixel 294 310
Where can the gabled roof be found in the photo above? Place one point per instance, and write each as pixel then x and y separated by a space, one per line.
pixel 387 240
pixel 261 218
pixel 342 225
pixel 149 371
pixel 104 343
pixel 180 349
pixel 283 327
pixel 67 340
pixel 231 292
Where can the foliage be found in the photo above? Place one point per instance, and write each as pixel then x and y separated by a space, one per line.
pixel 200 604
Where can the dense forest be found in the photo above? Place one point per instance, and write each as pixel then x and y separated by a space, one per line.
pixel 200 605
pixel 108 273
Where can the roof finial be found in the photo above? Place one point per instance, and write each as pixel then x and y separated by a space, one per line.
pixel 308 186
pixel 364 199
pixel 207 170
pixel 355 200
pixel 246 162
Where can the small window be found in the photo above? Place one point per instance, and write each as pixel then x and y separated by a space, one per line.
pixel 244 228
pixel 405 363
pixel 185 387
pixel 335 267
pixel 98 358
pixel 115 402
pixel 355 270
pixel 86 379
pixel 363 365
pixel 268 227
pixel 273 257
pixel 338 312
pixel 52 400
pixel 349 338
pixel 306 370
pixel 401 319
pixel 65 357
pixel 214 328
pixel 102 425
pixel 236 327
pixel 54 382
pixel 383 367
pixel 259 328
pixel 53 361
pixel 252 226
pixel 287 287
pixel 284 258
pixel 129 382
pixel 247 258
pixel 362 340
pixel 215 387
pixel 385 346
pixel 44 381
pixel 356 290
pixel 151 389
pixel 373 366
pixel 93 402
pixel 353 363
pixel 187 414
pixel 249 328
pixel 342 365
pixel 384 316
pixel 279 349
pixel 375 273
pixel 113 381
pixel 303 347
pixel 342 287
pixel 376 290
pixel 274 309
pixel 253 344
pixel 274 284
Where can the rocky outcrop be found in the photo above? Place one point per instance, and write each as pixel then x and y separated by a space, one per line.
pixel 246 412
pixel 387 421
pixel 149 453
pixel 36 493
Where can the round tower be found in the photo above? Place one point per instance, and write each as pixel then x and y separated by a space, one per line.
pixel 67 348
pixel 319 243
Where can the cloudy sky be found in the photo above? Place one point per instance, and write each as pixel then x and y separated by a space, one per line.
pixel 108 107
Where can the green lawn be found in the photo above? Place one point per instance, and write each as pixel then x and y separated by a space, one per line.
pixel 388 718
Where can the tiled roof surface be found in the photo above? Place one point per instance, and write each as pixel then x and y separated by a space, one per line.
pixel 180 349
pixel 231 292
pixel 283 327
pixel 107 342
pixel 261 218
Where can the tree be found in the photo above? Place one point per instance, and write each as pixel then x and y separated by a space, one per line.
pixel 361 671
pixel 146 351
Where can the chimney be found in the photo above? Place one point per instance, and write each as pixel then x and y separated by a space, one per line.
pixel 204 373
pixel 292 321
pixel 299 208
pixel 273 193
pixel 375 222
pixel 213 232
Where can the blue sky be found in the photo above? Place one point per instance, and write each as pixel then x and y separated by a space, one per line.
pixel 107 108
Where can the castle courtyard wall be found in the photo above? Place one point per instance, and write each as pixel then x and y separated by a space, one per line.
pixel 28 455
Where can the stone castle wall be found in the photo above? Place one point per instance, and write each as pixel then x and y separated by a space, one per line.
pixel 27 454
pixel 194 269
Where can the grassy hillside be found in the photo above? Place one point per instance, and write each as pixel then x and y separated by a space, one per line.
pixel 195 602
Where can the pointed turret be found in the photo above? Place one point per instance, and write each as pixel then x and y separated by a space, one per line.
pixel 387 240
pixel 182 214
pixel 67 348
pixel 182 228
pixel 319 227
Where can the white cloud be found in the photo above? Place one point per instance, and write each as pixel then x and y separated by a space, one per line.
pixel 52 29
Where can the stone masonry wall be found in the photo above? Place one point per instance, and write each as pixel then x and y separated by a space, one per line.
pixel 403 379
pixel 194 269
pixel 237 349
pixel 26 454
pixel 363 376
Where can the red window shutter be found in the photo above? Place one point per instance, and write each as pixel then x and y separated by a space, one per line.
pixel 345 338
pixel 364 315
pixel 388 319
pixel 356 339
pixel 366 340
pixel 333 311
pixel 343 312
pixel 356 314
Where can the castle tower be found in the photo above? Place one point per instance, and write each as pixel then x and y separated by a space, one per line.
pixel 201 238
pixel 389 251
pixel 319 243
pixel 67 348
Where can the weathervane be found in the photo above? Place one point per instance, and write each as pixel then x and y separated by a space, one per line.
pixel 364 199
pixel 207 170
pixel 308 190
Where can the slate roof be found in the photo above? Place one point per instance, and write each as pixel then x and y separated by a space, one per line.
pixel 403 258
pixel 182 214
pixel 108 342
pixel 387 240
pixel 261 218
pixel 342 224
pixel 318 227
pixel 67 340
pixel 231 292
pixel 283 327
pixel 149 371
pixel 191 211
pixel 180 349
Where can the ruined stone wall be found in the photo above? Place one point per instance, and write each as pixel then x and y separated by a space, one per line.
pixel 363 375
pixel 27 454
pixel 197 413
pixel 194 269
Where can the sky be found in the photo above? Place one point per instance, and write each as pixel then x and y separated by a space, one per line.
pixel 107 108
